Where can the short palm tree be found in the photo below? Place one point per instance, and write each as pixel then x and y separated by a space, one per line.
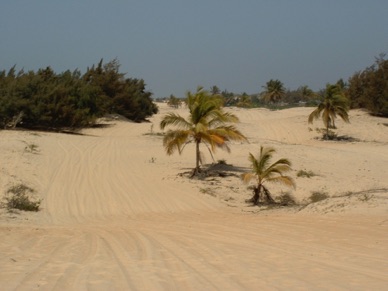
pixel 207 123
pixel 274 90
pixel 334 103
pixel 265 172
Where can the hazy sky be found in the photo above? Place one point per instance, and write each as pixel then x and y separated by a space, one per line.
pixel 176 45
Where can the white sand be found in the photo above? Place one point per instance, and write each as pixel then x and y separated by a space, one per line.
pixel 117 216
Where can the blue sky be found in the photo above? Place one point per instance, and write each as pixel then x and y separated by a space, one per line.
pixel 177 45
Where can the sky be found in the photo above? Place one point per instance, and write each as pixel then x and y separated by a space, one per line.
pixel 177 45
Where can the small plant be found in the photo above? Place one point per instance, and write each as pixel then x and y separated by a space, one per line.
pixel 327 135
pixel 263 171
pixel 208 191
pixel 317 196
pixel 152 160
pixel 222 162
pixel 286 199
pixel 307 174
pixel 19 198
pixel 31 148
pixel 365 197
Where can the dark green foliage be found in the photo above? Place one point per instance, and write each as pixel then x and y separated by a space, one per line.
pixel 50 101
pixel 369 88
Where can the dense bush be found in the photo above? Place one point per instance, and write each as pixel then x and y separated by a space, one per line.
pixel 47 100
pixel 369 88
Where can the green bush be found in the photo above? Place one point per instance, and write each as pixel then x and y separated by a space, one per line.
pixel 369 88
pixel 47 100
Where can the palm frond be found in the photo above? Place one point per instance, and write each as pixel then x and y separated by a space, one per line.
pixel 175 140
pixel 285 180
pixel 281 166
pixel 229 132
pixel 265 157
pixel 315 114
pixel 213 140
pixel 247 177
pixel 218 117
pixel 175 120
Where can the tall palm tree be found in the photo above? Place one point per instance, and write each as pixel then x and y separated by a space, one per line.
pixel 264 172
pixel 274 90
pixel 334 103
pixel 207 123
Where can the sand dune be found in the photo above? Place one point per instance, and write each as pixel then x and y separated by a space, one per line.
pixel 117 216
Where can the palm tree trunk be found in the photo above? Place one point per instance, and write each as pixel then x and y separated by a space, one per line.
pixel 256 195
pixel 270 200
pixel 197 156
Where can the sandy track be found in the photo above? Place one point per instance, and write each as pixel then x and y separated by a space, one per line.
pixel 115 216
pixel 180 252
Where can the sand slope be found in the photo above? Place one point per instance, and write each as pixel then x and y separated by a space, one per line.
pixel 117 216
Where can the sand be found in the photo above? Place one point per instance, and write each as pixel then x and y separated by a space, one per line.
pixel 117 215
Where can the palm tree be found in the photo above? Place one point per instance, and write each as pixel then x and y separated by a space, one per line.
pixel 207 123
pixel 244 101
pixel 306 93
pixel 334 103
pixel 215 90
pixel 263 171
pixel 274 90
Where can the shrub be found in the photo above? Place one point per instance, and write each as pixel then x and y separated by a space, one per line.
pixel 19 198
pixel 307 174
pixel 286 199
pixel 317 196
pixel 31 148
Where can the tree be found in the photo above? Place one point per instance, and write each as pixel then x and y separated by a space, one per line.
pixel 120 95
pixel 47 100
pixel 215 90
pixel 228 97
pixel 244 101
pixel 174 102
pixel 207 123
pixel 264 172
pixel 306 93
pixel 369 88
pixel 334 103
pixel 274 91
